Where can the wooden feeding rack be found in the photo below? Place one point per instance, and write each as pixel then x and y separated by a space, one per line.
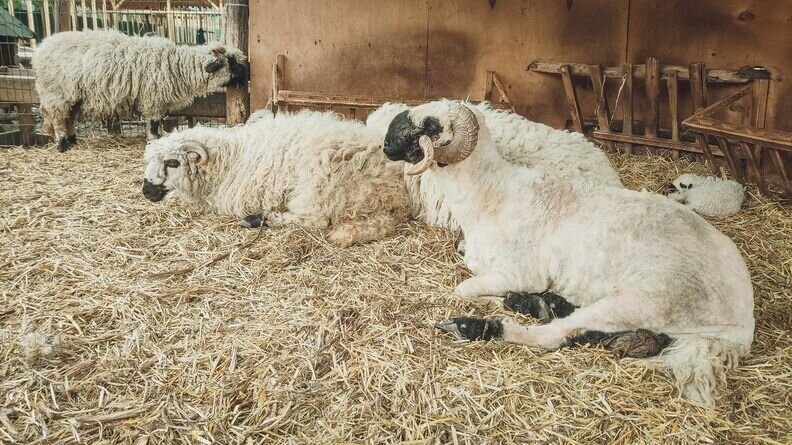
pixel 282 98
pixel 706 136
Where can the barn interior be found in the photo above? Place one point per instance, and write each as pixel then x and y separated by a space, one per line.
pixel 124 321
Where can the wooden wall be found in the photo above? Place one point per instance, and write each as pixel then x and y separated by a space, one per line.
pixel 429 48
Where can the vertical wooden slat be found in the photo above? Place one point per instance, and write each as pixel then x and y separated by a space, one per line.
pixel 94 18
pixel 73 13
pixel 84 17
pixel 10 4
pixel 236 34
pixel 105 17
pixel 760 92
pixel 571 97
pixel 601 102
pixel 731 159
pixel 171 23
pixel 697 81
pixel 778 161
pixel 673 106
pixel 45 10
pixel 488 86
pixel 753 166
pixel 277 81
pixel 627 120
pixel 31 21
pixel 652 119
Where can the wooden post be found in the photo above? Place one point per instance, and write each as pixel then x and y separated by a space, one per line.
pixel 94 18
pixel 627 120
pixel 10 4
pixel 31 20
pixel 488 86
pixel 602 110
pixel 760 93
pixel 73 13
pixel 236 34
pixel 673 106
pixel 84 17
pixel 571 96
pixel 277 81
pixel 652 120
pixel 104 14
pixel 46 18
pixel 753 166
pixel 171 22
pixel 698 78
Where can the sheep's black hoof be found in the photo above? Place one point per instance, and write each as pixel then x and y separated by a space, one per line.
pixel 545 306
pixel 73 139
pixel 460 247
pixel 252 221
pixel 635 344
pixel 472 328
pixel 64 145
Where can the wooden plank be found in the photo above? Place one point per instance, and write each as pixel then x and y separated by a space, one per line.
pixel 723 103
pixel 502 92
pixel 46 18
pixel 73 12
pixel 602 111
pixel 753 166
pixel 10 4
pixel 652 118
pixel 779 140
pixel 31 21
pixel 760 94
pixel 277 80
pixel 639 72
pixel 666 144
pixel 673 106
pixel 84 16
pixel 571 97
pixel 731 159
pixel 696 72
pixel 778 161
pixel 170 21
pixel 313 99
pixel 627 118
pixel 94 19
pixel 488 85
pixel 236 35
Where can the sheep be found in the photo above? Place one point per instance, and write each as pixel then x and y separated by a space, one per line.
pixel 709 196
pixel 308 168
pixel 631 262
pixel 518 140
pixel 105 74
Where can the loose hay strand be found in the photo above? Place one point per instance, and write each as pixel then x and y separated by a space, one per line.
pixel 287 340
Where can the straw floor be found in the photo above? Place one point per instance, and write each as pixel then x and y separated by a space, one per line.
pixel 293 341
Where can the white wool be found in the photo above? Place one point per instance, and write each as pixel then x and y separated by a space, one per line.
pixel 520 141
pixel 629 259
pixel 708 195
pixel 106 74
pixel 308 168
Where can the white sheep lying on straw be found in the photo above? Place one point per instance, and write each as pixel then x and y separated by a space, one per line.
pixel 708 195
pixel 562 154
pixel 308 168
pixel 630 261
pixel 105 74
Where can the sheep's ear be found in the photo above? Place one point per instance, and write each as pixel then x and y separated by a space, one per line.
pixel 218 51
pixel 213 66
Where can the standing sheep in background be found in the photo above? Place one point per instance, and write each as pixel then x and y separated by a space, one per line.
pixel 103 74
pixel 634 263
pixel 708 195
pixel 562 154
pixel 308 168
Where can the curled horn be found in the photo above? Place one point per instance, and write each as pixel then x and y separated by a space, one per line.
pixel 465 128
pixel 425 142
pixel 199 149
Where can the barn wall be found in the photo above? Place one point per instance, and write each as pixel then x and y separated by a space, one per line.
pixel 427 48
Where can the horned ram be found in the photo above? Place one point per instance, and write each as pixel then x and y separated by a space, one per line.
pixel 105 74
pixel 636 268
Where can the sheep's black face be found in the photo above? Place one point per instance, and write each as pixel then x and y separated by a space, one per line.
pixel 154 192
pixel 238 73
pixel 401 141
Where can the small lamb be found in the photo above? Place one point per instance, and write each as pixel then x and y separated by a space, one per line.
pixel 707 195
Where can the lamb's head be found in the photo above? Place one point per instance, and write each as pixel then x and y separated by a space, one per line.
pixel 174 163
pixel 445 132
pixel 677 189
pixel 226 67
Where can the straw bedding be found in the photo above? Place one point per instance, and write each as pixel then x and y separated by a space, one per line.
pixel 290 340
